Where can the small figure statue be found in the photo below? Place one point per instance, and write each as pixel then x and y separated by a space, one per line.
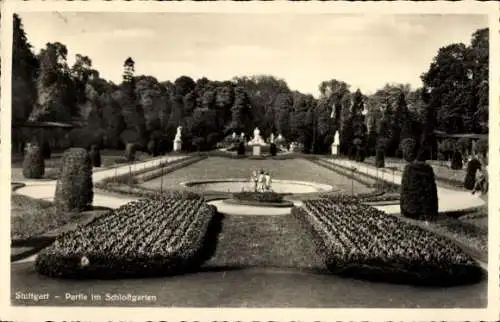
pixel 267 178
pixel 255 179
pixel 271 140
pixel 261 181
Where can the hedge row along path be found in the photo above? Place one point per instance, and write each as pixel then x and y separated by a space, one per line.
pixel 449 200
pixel 46 189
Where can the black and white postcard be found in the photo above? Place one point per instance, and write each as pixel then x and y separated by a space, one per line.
pixel 177 161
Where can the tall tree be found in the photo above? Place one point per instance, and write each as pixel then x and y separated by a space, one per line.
pixel 24 73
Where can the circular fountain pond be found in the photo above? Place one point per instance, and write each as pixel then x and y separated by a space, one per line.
pixel 238 185
pixel 253 207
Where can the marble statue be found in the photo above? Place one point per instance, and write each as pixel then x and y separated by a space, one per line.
pixel 256 142
pixel 178 139
pixel 272 138
pixel 336 140
pixel 234 135
pixel 335 144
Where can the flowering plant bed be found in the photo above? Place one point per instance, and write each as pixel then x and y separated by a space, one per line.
pixel 158 236
pixel 361 241
pixel 283 203
pixel 267 196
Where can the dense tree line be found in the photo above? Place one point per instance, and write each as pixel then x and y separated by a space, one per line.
pixel 147 111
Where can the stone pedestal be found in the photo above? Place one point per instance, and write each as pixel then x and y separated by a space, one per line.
pixel 177 145
pixel 335 149
pixel 256 150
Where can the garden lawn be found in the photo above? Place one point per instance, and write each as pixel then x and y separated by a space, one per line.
pixel 470 230
pixel 33 217
pixel 225 168
pixel 266 242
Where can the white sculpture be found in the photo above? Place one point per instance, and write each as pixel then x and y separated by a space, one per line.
pixel 234 135
pixel 178 139
pixel 257 142
pixel 335 144
pixel 271 140
pixel 336 139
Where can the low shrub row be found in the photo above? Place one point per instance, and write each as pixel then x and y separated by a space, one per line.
pixel 157 236
pixel 361 241
pixel 166 168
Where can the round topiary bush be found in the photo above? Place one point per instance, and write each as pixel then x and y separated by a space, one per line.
pixel 74 187
pixel 273 149
pixel 457 161
pixel 379 158
pixel 419 198
pixel 33 163
pixel 46 150
pixel 130 151
pixel 95 156
pixel 470 177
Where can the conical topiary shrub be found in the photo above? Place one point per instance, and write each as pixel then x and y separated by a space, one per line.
pixel 379 158
pixel 419 198
pixel 95 156
pixel 273 149
pixel 74 190
pixel 33 163
pixel 470 176
pixel 152 148
pixel 130 151
pixel 408 147
pixel 46 150
pixel 457 161
pixel 241 148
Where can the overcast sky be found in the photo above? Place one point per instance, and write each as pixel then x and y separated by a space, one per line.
pixel 364 51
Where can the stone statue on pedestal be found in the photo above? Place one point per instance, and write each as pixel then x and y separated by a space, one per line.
pixel 178 139
pixel 335 144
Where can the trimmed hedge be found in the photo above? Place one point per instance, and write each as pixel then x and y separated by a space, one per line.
pixel 95 156
pixel 419 199
pixel 470 178
pixel 33 163
pixel 74 190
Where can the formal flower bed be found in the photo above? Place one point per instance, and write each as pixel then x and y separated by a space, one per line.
pixel 359 240
pixel 267 196
pixel 157 236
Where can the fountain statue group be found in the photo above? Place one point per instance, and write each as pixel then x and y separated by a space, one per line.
pixel 261 181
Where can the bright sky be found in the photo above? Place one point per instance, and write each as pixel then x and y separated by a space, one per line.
pixel 364 51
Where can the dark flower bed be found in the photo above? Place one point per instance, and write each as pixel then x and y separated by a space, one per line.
pixel 361 241
pixel 267 196
pixel 158 236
